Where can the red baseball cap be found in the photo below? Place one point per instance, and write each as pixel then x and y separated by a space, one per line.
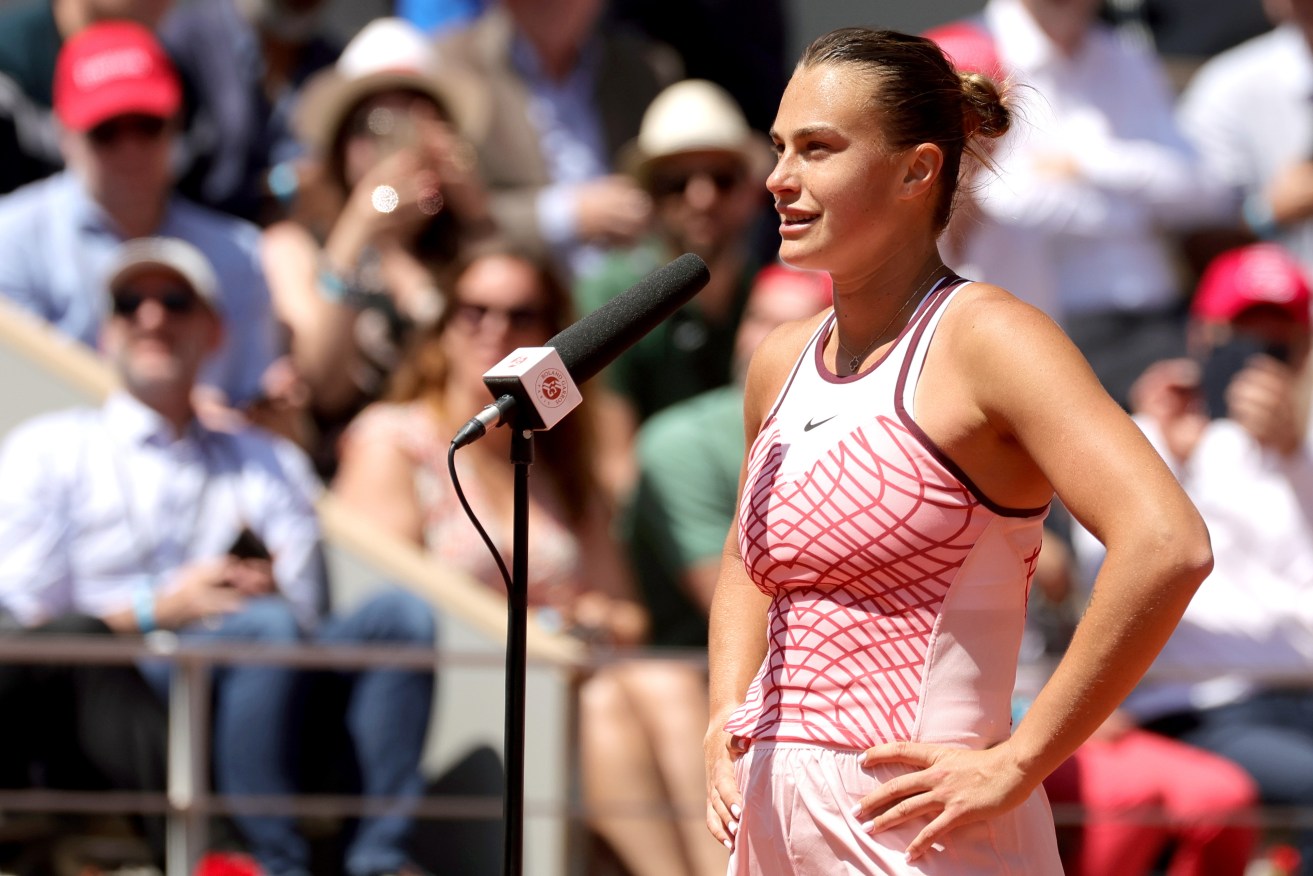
pixel 110 69
pixel 1261 274
pixel 969 46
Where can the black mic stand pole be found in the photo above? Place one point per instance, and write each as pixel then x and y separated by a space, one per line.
pixel 517 618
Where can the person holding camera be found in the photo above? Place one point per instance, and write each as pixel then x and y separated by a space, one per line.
pixel 1232 422
pixel 142 515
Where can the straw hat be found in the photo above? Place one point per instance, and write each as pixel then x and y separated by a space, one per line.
pixel 387 54
pixel 694 115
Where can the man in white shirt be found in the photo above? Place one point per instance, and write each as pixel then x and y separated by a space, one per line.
pixel 1234 677
pixel 140 515
pixel 1249 112
pixel 1075 215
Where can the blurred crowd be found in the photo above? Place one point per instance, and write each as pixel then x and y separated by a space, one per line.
pixel 300 256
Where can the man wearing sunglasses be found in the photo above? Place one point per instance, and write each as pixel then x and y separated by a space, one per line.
pixel 705 170
pixel 139 515
pixel 117 97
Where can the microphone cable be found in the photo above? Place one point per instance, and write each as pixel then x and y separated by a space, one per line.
pixel 469 512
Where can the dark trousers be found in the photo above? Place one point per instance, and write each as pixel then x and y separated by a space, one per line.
pixel 1270 736
pixel 81 727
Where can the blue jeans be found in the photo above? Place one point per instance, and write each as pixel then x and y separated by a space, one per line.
pixel 1271 736
pixel 256 728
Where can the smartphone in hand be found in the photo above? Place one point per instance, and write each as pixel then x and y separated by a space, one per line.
pixel 249 546
pixel 1222 363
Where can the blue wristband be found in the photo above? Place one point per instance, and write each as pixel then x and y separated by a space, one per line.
pixel 332 287
pixel 1259 218
pixel 143 608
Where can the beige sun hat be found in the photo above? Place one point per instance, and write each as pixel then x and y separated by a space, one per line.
pixel 140 254
pixel 694 115
pixel 387 54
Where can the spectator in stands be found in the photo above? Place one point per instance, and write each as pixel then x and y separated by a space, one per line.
pixel 77 727
pixel 117 97
pixel 244 63
pixel 138 514
pixel 31 34
pixel 1233 425
pixel 1074 218
pixel 362 267
pixel 642 789
pixel 741 45
pixel 704 170
pixel 689 457
pixel 1247 112
pixel 566 95
pixel 1143 800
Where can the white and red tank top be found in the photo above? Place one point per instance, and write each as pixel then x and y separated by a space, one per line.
pixel 898 589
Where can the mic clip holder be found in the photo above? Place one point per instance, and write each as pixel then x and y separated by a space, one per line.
pixel 537 379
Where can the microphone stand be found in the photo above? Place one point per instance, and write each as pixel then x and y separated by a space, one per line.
pixel 517 616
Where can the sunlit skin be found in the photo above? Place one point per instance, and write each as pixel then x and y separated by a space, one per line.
pixel 501 284
pixel 130 176
pixel 412 115
pixel 557 28
pixel 703 218
pixel 843 196
pixel 158 354
pixel 1005 396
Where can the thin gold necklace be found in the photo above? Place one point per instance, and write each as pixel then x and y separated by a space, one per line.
pixel 855 361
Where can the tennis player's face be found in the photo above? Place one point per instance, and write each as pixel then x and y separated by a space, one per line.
pixel 834 180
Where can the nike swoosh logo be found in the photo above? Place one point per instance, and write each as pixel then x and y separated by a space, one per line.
pixel 812 425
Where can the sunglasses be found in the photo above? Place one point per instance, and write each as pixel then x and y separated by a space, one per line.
pixel 471 316
pixel 139 126
pixel 176 302
pixel 725 179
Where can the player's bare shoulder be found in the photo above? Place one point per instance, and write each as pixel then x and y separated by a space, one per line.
pixel 982 317
pixel 773 360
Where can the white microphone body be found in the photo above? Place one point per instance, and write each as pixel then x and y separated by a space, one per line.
pixel 539 375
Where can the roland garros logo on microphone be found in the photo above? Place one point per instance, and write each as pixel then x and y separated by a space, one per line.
pixel 552 387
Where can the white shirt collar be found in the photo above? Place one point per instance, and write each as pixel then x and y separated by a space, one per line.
pixel 1022 43
pixel 137 424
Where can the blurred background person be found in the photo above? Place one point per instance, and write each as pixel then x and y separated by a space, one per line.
pixel 117 97
pixel 566 94
pixel 243 65
pixel 1247 112
pixel 137 513
pixel 1232 422
pixel 1076 218
pixel 1128 802
pixel 689 457
pixel 31 35
pixel 704 170
pixel 638 718
pixel 390 203
pixel 741 45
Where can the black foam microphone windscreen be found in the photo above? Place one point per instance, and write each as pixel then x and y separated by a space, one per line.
pixel 593 342
pixel 588 346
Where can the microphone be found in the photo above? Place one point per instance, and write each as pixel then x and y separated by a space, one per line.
pixel 539 383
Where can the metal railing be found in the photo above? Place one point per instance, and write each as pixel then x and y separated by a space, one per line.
pixel 188 801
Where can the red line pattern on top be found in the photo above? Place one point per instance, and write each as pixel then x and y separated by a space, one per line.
pixel 857 553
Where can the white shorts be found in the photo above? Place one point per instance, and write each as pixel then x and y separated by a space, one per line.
pixel 797 821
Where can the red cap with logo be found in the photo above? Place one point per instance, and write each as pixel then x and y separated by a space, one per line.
pixel 113 68
pixel 1261 274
